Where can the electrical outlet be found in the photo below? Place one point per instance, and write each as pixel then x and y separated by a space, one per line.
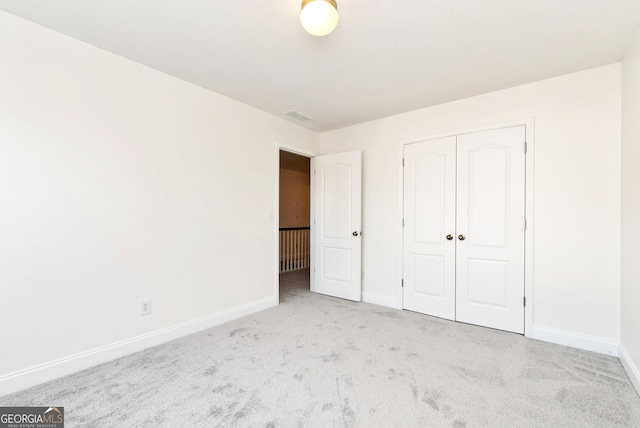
pixel 145 307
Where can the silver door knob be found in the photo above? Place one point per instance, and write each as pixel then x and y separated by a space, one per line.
pixel 449 237
pixel 355 233
pixel 461 237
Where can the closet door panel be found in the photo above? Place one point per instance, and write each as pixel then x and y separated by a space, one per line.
pixel 490 229
pixel 429 210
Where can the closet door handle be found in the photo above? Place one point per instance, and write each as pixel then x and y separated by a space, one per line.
pixel 449 237
pixel 461 237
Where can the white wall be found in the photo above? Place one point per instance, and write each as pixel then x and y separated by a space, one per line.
pixel 577 195
pixel 630 321
pixel 120 183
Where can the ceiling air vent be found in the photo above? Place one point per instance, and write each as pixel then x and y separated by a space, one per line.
pixel 297 115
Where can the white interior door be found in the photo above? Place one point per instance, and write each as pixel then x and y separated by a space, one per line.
pixel 491 228
pixel 337 183
pixel 429 227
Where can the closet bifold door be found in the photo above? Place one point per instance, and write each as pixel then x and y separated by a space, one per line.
pixel 490 228
pixel 429 227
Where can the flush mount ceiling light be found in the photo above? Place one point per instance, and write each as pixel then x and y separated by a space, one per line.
pixel 319 17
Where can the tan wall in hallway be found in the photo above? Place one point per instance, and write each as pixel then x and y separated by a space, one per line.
pixel 294 198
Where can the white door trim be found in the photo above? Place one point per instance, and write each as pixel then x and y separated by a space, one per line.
pixel 529 124
pixel 276 212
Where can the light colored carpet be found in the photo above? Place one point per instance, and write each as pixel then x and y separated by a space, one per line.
pixel 317 361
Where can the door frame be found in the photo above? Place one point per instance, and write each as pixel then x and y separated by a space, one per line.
pixel 529 125
pixel 276 213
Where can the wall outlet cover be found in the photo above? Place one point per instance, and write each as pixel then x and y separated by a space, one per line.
pixel 145 307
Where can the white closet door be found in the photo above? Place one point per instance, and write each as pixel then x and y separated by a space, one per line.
pixel 490 229
pixel 337 181
pixel 429 207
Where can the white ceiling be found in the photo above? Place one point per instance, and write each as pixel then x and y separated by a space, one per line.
pixel 385 57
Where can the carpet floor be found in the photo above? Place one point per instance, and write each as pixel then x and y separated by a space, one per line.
pixel 318 361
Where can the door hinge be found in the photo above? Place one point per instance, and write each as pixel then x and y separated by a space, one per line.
pixel 524 301
pixel 402 222
pixel 525 224
pixel 403 162
pixel 403 283
pixel 525 147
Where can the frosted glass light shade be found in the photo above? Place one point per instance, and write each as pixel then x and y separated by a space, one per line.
pixel 319 17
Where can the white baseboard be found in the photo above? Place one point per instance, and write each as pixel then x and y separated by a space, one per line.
pixel 630 367
pixel 376 299
pixel 573 340
pixel 32 376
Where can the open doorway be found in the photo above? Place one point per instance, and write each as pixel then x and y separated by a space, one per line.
pixel 294 223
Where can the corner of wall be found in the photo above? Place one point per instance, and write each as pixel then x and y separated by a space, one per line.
pixel 630 367
pixel 630 271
